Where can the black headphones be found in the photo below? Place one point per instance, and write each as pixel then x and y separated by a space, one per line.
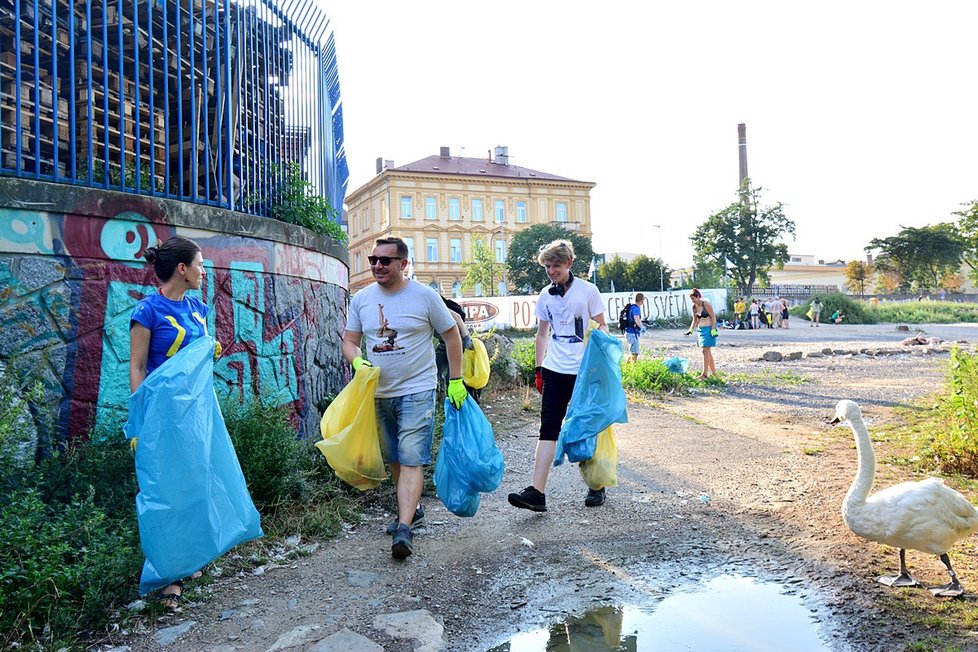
pixel 558 290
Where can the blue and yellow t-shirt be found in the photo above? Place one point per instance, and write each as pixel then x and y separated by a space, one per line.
pixel 172 325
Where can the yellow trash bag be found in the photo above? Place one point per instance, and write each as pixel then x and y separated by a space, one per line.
pixel 475 365
pixel 602 469
pixel 350 442
pixel 809 315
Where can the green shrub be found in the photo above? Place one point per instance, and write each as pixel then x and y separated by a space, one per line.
pixel 63 567
pixel 524 354
pixel 652 376
pixel 269 451
pixel 857 312
pixel 955 445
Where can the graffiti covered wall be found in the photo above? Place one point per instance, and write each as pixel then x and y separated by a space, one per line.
pixel 71 270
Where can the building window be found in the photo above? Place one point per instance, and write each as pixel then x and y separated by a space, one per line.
pixel 500 251
pixel 477 289
pixel 356 264
pixel 406 207
pixel 476 210
pixel 502 288
pixel 454 209
pixel 521 211
pixel 560 213
pixel 455 250
pixel 499 210
pixel 434 285
pixel 410 245
pixel 456 290
pixel 430 208
pixel 431 250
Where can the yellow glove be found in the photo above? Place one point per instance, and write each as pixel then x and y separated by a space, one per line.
pixel 358 361
pixel 456 392
pixel 218 350
pixel 132 445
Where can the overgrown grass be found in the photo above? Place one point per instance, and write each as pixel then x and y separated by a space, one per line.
pixel 70 555
pixel 768 378
pixel 909 312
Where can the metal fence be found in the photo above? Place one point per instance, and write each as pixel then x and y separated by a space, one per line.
pixel 210 101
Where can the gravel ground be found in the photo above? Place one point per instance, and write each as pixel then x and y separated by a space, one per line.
pixel 761 450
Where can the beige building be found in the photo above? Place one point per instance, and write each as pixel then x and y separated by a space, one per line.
pixel 441 205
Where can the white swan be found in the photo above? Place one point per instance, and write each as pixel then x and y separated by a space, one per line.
pixel 925 515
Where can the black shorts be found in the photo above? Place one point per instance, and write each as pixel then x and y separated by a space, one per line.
pixel 557 391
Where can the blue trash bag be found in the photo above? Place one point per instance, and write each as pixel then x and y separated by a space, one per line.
pixel 597 402
pixel 193 504
pixel 469 462
pixel 677 365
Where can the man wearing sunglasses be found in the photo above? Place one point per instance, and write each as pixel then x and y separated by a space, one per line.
pixel 397 318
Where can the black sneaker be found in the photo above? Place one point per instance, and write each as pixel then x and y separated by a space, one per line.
pixel 416 522
pixel 595 497
pixel 403 544
pixel 530 499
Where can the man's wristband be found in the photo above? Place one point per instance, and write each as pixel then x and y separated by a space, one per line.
pixel 456 378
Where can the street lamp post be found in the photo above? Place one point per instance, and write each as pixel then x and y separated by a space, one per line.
pixel 662 287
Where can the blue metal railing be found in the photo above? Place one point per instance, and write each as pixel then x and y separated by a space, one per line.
pixel 210 101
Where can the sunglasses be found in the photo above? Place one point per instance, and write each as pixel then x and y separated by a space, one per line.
pixel 383 260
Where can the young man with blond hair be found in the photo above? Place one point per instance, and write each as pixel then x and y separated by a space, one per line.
pixel 563 310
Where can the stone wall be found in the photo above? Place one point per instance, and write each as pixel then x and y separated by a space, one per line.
pixel 71 271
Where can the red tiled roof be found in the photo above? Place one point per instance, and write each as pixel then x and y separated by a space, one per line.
pixel 476 167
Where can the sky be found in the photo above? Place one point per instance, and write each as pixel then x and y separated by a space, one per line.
pixel 862 117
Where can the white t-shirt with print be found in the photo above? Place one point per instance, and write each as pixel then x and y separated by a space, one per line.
pixel 568 316
pixel 398 328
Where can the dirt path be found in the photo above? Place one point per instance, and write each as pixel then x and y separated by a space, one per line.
pixel 772 468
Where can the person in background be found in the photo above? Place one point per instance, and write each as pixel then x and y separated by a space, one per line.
pixel 633 332
pixel 162 324
pixel 398 317
pixel 755 314
pixel 740 306
pixel 837 316
pixel 705 321
pixel 441 351
pixel 784 313
pixel 563 311
pixel 816 309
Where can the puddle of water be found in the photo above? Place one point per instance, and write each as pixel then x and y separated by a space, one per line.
pixel 729 614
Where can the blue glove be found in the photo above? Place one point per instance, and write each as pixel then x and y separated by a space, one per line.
pixel 642 330
pixel 714 332
pixel 467 343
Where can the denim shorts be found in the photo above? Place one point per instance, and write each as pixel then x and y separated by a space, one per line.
pixel 632 340
pixel 407 425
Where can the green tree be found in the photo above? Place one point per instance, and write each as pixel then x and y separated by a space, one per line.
pixel 968 228
pixel 525 273
pixel 483 269
pixel 748 235
pixel 643 274
pixel 858 276
pixel 613 271
pixel 921 256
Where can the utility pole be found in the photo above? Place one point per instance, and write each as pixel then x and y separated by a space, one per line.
pixel 662 286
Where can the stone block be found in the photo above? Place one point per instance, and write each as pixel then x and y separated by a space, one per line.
pixel 36 273
pixel 794 355
pixel 827 351
pixel 772 356
pixel 816 354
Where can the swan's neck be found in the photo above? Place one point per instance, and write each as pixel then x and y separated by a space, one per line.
pixel 866 473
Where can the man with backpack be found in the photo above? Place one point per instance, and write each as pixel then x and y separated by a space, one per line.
pixel 630 322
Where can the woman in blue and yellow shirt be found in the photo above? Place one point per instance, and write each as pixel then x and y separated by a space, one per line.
pixel 165 322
